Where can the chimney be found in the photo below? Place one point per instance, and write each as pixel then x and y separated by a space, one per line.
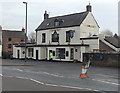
pixel 23 30
pixel 89 8
pixel 46 16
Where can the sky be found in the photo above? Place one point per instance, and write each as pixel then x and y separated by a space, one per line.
pixel 12 12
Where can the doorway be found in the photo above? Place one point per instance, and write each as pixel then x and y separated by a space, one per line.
pixel 18 54
pixel 37 54
pixel 71 54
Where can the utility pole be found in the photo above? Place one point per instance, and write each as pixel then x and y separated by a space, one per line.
pixel 25 33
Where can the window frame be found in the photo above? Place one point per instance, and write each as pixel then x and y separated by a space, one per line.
pixel 67 36
pixel 43 37
pixel 55 39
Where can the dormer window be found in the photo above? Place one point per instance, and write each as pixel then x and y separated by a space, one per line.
pixel 56 22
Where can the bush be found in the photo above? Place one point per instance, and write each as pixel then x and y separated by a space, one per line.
pixel 5 55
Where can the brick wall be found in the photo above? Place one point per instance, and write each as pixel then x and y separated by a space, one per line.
pixel 103 59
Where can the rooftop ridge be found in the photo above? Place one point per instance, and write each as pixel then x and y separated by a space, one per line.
pixel 68 14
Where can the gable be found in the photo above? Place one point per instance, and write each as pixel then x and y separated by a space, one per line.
pixel 90 21
pixel 65 21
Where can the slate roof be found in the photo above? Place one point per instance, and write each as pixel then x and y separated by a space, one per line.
pixel 115 40
pixel 13 34
pixel 65 21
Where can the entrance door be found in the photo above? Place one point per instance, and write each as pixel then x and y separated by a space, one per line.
pixel 37 54
pixel 18 54
pixel 71 54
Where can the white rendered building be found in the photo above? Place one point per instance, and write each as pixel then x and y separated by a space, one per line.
pixel 67 37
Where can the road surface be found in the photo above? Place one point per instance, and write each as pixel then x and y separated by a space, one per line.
pixel 57 76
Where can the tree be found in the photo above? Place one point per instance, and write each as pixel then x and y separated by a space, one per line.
pixel 32 37
pixel 107 32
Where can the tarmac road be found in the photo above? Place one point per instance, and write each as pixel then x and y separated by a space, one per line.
pixel 57 76
pixel 19 84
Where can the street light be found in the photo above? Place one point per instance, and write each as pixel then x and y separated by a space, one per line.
pixel 25 31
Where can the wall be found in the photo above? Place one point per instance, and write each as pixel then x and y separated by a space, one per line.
pixel 37 48
pixel 62 35
pixel 85 31
pixel 107 59
pixel 21 49
pixel 93 44
pixel 6 42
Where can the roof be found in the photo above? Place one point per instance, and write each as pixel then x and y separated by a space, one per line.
pixel 115 40
pixel 13 34
pixel 65 21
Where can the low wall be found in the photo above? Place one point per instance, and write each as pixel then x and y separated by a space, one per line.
pixel 103 59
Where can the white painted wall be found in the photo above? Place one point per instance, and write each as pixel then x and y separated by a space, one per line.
pixel 43 53
pixel 62 35
pixel 37 48
pixel 0 50
pixel 14 51
pixel 85 31
pixel 21 49
pixel 93 44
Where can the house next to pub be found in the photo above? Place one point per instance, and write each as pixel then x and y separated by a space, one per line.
pixel 10 38
pixel 67 37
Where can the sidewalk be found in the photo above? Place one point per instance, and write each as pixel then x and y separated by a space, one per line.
pixel 12 63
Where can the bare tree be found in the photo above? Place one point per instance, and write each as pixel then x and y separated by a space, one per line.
pixel 32 37
pixel 107 32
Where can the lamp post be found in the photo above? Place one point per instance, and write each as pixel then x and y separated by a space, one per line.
pixel 25 31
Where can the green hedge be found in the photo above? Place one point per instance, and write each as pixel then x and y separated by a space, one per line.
pixel 5 55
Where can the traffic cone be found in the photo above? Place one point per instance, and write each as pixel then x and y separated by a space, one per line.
pixel 82 75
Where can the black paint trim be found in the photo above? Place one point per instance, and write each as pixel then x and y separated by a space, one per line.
pixel 89 38
pixel 53 45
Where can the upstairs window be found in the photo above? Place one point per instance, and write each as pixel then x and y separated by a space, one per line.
pixel 9 39
pixel 9 45
pixel 55 37
pixel 22 40
pixel 67 36
pixel 43 37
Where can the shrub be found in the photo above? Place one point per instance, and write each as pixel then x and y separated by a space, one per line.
pixel 5 55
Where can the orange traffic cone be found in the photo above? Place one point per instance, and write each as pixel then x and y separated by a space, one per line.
pixel 82 75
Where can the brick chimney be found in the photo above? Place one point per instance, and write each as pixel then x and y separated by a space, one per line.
pixel 89 8
pixel 46 16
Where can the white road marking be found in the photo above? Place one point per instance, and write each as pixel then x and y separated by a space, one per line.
pixel 37 81
pixel 19 70
pixel 55 75
pixel 106 82
pixel 52 85
pixel 71 87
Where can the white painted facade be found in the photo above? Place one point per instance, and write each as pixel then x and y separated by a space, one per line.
pixel 82 31
pixel 86 30
pixel 19 54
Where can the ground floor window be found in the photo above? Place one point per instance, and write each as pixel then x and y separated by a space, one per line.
pixel 30 52
pixel 60 53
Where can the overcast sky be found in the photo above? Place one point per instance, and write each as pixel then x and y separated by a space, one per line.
pixel 12 12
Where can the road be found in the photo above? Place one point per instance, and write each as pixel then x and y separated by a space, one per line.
pixel 57 76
